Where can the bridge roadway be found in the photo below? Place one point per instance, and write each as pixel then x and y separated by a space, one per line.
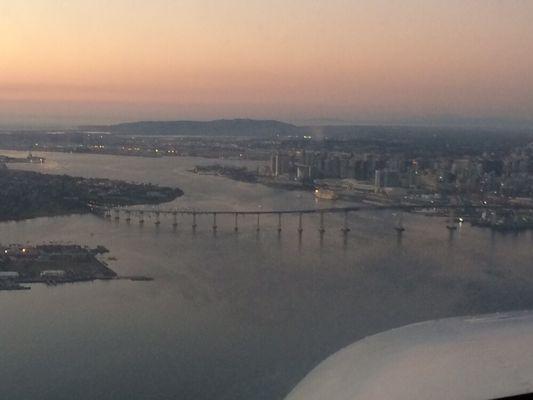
pixel 371 207
pixel 229 212
pixel 140 213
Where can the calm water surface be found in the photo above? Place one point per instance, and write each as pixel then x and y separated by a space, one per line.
pixel 234 316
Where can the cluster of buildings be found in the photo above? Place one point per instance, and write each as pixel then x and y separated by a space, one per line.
pixel 49 263
pixel 482 174
pixel 509 175
pixel 375 169
pixel 140 146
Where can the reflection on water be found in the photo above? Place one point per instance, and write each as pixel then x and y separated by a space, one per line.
pixel 235 315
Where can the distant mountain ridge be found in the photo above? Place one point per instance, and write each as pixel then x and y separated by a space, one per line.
pixel 221 127
pixel 270 128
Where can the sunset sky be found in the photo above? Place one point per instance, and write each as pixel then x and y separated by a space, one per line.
pixel 366 61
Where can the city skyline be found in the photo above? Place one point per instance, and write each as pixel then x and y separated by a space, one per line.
pixel 420 62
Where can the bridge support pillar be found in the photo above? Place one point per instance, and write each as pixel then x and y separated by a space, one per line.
pixel 174 219
pixel 300 223
pixel 214 222
pixel 345 229
pixel 321 229
pixel 236 222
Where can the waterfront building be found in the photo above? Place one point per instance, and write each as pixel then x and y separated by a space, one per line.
pixel 378 180
pixel 279 164
pixel 53 273
pixel 303 171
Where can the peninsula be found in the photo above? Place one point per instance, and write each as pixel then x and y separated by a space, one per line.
pixel 51 264
pixel 28 194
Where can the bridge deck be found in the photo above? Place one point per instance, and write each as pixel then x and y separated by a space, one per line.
pixel 315 210
pixel 229 212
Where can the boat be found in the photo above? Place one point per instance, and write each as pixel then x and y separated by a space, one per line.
pixel 326 194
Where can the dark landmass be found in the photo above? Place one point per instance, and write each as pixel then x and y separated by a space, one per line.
pixel 256 140
pixel 51 264
pixel 242 174
pixel 27 194
pixel 236 173
pixel 223 127
pixel 452 140
pixel 419 140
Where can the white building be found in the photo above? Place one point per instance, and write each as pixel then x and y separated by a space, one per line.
pixel 53 273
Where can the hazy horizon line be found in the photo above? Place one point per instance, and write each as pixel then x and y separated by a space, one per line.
pixel 420 122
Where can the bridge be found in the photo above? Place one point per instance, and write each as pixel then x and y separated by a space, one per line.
pixel 140 214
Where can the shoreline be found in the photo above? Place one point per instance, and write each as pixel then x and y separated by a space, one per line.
pixel 54 264
pixel 20 284
pixel 28 194
pixel 498 219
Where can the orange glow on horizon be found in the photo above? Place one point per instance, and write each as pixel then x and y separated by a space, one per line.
pixel 338 58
